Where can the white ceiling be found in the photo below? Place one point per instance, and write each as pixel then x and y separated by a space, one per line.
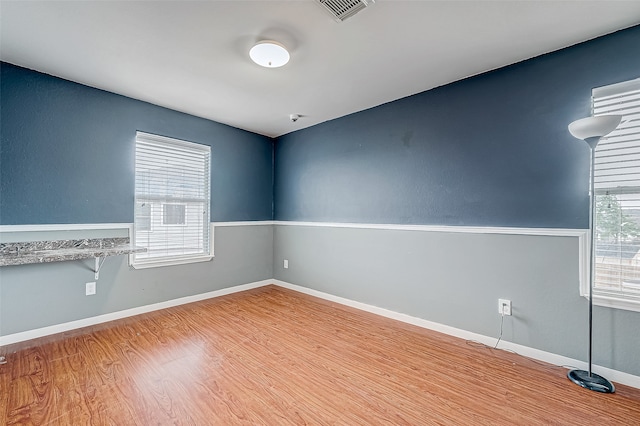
pixel 193 56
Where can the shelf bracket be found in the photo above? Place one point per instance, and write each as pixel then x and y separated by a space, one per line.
pixel 98 266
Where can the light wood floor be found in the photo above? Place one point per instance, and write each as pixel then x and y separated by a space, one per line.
pixel 276 357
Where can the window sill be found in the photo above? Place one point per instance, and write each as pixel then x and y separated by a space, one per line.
pixel 617 302
pixel 157 263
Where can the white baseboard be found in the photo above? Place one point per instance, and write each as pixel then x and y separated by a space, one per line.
pixel 85 322
pixel 551 358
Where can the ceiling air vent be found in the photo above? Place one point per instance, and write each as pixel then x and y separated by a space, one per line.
pixel 343 9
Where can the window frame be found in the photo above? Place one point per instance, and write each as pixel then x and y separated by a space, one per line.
pixel 207 229
pixel 611 298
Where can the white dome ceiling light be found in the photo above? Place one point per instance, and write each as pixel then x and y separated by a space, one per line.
pixel 269 54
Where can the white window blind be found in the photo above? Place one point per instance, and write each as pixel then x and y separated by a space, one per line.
pixel 617 191
pixel 172 194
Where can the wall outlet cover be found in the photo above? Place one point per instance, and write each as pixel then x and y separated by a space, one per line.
pixel 504 306
pixel 90 288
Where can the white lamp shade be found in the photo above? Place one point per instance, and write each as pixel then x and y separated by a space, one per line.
pixel 270 54
pixel 594 127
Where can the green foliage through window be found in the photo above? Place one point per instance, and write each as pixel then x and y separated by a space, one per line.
pixel 613 224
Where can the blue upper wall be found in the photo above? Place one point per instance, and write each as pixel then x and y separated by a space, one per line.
pixel 67 154
pixel 491 150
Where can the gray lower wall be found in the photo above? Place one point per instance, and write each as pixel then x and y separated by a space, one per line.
pixel 35 296
pixel 457 278
pixel 449 278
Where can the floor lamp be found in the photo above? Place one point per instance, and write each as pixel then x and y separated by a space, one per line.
pixel 591 130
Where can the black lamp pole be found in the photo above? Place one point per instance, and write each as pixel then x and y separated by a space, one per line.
pixel 591 130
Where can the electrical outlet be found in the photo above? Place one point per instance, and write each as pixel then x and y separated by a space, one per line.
pixel 90 288
pixel 285 264
pixel 504 306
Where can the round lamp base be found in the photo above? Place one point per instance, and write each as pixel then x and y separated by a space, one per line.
pixel 592 382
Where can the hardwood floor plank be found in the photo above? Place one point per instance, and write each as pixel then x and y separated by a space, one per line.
pixel 272 356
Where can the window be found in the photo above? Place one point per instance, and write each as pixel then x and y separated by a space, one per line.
pixel 173 214
pixel 617 192
pixel 172 196
pixel 143 216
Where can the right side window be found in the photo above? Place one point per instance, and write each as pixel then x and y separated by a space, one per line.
pixel 617 193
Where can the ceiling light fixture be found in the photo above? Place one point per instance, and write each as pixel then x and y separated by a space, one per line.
pixel 269 54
